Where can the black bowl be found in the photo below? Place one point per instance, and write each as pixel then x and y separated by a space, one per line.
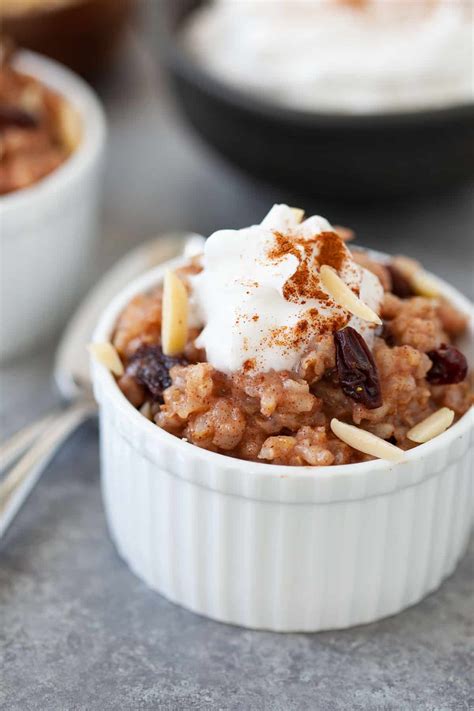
pixel 318 154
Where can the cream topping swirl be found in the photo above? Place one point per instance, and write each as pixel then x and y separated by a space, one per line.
pixel 354 56
pixel 260 298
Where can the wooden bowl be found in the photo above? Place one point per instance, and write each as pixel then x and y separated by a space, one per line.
pixel 83 34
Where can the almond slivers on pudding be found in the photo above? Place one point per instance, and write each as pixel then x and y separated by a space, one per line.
pixel 294 349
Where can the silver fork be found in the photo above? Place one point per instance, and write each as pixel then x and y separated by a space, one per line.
pixel 25 455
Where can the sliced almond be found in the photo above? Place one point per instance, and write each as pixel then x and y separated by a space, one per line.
pixel 343 296
pixel 30 99
pixel 106 354
pixel 69 126
pixel 146 410
pixel 298 214
pixel 431 426
pixel 424 285
pixel 421 282
pixel 174 325
pixel 366 442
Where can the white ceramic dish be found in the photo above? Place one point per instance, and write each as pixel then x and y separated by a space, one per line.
pixel 48 231
pixel 274 547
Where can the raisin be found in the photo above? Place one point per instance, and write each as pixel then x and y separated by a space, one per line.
pixel 449 366
pixel 401 287
pixel 356 367
pixel 12 116
pixel 151 368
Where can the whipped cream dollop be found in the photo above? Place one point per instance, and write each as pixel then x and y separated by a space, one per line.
pixel 260 297
pixel 340 55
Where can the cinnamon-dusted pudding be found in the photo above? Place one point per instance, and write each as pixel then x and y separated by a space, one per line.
pixel 283 345
pixel 38 128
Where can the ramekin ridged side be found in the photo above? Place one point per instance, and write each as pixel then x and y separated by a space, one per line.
pixel 279 548
pixel 48 231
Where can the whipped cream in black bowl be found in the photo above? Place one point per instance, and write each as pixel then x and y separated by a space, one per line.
pixel 375 144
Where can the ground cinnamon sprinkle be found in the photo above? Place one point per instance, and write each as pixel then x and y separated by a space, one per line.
pixel 249 365
pixel 302 326
pixel 283 246
pixel 323 248
pixel 331 250
pixel 283 337
pixel 304 283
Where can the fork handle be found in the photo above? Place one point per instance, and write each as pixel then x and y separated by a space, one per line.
pixel 24 438
pixel 18 483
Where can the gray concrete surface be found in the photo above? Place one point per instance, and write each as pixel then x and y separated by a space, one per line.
pixel 78 632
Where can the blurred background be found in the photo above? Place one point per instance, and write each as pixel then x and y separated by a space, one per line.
pixel 190 146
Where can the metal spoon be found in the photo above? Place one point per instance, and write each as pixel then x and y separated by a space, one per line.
pixel 35 445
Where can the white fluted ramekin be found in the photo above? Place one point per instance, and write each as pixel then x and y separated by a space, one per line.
pixel 48 230
pixel 275 547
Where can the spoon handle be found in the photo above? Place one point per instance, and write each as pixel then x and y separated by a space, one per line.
pixel 20 480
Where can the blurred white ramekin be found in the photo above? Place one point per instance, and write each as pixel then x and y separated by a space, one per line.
pixel 48 231
pixel 275 547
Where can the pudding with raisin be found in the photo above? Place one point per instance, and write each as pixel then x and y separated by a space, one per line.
pixel 283 344
pixel 38 128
